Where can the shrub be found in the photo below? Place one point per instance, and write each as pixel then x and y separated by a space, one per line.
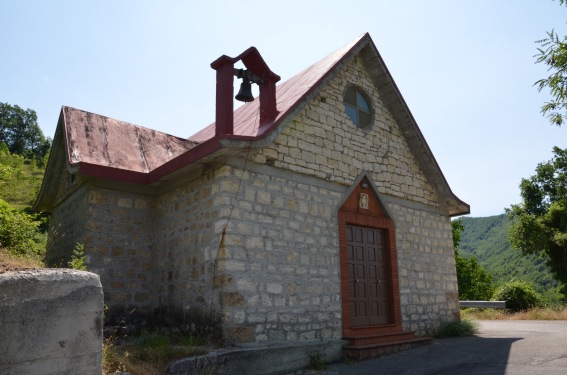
pixel 18 231
pixel 78 258
pixel 519 296
pixel 456 328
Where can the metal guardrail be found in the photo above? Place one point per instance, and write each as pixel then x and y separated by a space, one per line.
pixel 484 304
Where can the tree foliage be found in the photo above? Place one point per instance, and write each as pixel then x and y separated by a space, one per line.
pixel 487 239
pixel 475 283
pixel 540 220
pixel 552 52
pixel 21 133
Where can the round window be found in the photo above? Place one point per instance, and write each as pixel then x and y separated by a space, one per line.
pixel 357 107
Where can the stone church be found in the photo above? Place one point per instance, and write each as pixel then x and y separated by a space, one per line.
pixel 315 211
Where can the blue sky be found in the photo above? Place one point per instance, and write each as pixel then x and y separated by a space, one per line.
pixel 465 68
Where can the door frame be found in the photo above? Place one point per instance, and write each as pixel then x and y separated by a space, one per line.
pixel 362 207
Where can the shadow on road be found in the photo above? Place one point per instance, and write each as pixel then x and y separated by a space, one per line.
pixel 464 355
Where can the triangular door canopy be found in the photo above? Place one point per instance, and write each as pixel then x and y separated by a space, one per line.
pixel 362 197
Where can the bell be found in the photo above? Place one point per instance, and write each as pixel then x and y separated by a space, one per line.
pixel 245 93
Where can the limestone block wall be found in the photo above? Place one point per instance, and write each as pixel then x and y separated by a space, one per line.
pixel 119 243
pixel 187 239
pixel 323 142
pixel 279 259
pixel 426 267
pixel 116 228
pixel 66 227
pixel 50 322
pixel 272 274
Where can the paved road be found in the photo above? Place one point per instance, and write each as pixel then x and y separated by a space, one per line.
pixel 505 347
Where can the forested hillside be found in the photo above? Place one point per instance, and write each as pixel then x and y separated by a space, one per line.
pixel 24 152
pixel 20 179
pixel 486 238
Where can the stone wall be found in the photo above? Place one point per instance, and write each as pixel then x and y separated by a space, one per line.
pixel 116 228
pixel 279 259
pixel 426 267
pixel 323 142
pixel 119 243
pixel 66 225
pixel 50 322
pixel 256 244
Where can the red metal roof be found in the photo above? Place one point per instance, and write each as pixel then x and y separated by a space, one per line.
pixel 116 150
pixel 98 140
pixel 105 147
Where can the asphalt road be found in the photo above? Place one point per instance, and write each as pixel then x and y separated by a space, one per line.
pixel 521 347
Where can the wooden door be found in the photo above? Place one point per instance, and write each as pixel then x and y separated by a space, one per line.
pixel 368 277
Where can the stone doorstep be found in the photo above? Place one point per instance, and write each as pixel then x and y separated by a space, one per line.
pixel 379 338
pixel 362 352
pixel 260 358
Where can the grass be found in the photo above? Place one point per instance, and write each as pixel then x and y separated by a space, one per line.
pixel 468 324
pixel 148 353
pixel 457 328
pixel 12 262
pixel 538 313
pixel 317 361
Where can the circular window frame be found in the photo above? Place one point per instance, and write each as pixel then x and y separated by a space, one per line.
pixel 361 117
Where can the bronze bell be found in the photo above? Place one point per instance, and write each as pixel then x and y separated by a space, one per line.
pixel 245 93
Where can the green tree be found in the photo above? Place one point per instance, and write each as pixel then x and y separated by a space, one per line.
pixel 553 53
pixel 540 225
pixel 475 283
pixel 20 132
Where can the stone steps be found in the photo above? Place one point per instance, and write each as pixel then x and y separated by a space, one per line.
pixel 363 347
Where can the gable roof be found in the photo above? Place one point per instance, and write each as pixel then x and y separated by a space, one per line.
pixel 103 147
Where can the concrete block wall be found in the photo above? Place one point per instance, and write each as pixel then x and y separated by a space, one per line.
pixel 50 322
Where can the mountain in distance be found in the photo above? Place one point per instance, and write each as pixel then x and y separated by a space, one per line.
pixel 486 238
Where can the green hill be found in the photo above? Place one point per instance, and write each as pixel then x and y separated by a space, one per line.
pixel 486 238
pixel 20 179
